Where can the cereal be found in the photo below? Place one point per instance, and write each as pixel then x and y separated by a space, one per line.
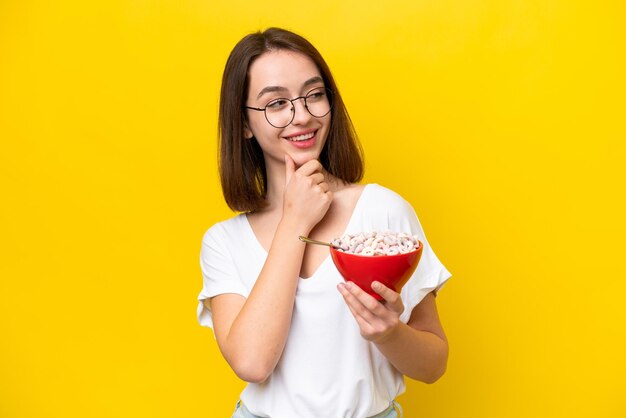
pixel 377 243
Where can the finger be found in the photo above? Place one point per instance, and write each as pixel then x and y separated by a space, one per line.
pixel 324 187
pixel 355 306
pixel 310 167
pixel 316 178
pixel 391 297
pixel 365 298
pixel 366 306
pixel 365 327
pixel 290 168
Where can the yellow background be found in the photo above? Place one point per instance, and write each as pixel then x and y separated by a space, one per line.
pixel 502 122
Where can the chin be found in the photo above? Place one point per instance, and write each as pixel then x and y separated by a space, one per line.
pixel 301 159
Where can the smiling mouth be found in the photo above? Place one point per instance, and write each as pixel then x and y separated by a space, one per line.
pixel 299 138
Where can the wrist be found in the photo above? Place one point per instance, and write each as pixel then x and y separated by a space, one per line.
pixel 391 335
pixel 294 226
pixel 291 229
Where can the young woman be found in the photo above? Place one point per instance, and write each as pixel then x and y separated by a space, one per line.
pixel 309 344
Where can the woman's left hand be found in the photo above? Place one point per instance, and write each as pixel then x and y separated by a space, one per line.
pixel 377 320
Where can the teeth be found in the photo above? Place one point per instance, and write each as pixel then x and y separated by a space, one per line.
pixel 301 137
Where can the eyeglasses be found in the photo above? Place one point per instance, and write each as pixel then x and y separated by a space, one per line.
pixel 280 112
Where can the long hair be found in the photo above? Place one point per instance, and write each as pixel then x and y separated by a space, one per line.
pixel 241 163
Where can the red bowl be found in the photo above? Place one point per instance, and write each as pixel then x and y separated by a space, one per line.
pixel 391 270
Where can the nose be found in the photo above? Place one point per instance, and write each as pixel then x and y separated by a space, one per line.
pixel 301 115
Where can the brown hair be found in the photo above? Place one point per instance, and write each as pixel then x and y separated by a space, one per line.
pixel 241 162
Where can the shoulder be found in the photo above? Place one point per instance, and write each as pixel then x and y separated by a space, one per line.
pixel 381 196
pixel 225 231
pixel 382 209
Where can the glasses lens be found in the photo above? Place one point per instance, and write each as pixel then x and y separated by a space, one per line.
pixel 318 102
pixel 279 112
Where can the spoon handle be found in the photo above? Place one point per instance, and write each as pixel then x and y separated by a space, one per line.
pixel 313 241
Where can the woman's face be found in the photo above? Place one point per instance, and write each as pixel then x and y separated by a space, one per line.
pixel 285 74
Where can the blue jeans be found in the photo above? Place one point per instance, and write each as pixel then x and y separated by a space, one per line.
pixel 242 412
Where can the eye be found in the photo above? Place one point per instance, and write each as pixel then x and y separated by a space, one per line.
pixel 316 95
pixel 277 104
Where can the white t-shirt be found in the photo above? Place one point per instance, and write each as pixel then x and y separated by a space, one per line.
pixel 326 369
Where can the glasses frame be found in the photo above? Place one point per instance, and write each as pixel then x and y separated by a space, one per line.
pixel 329 95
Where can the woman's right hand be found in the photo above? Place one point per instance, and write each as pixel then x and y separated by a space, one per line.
pixel 307 195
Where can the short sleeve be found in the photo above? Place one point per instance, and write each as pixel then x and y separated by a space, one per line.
pixel 219 272
pixel 430 274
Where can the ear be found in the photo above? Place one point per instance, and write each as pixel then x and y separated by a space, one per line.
pixel 247 133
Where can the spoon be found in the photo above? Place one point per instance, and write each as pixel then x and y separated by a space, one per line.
pixel 313 241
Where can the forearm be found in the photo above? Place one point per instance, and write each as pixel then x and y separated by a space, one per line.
pixel 420 355
pixel 255 328
pixel 258 334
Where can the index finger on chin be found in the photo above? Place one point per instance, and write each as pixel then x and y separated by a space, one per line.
pixel 310 167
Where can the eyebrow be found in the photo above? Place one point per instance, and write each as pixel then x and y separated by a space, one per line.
pixel 272 89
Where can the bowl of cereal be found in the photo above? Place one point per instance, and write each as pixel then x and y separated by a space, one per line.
pixel 387 257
